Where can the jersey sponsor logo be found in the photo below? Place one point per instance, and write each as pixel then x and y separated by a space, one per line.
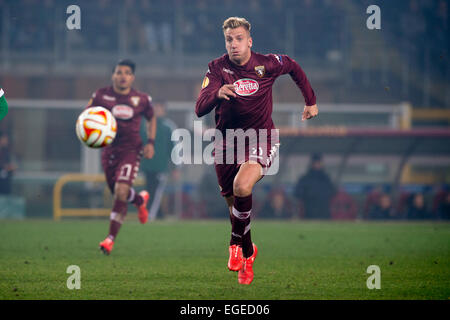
pixel 246 87
pixel 135 100
pixel 109 98
pixel 205 82
pixel 122 112
pixel 260 71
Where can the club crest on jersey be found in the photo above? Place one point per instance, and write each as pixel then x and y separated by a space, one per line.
pixel 246 87
pixel 135 100
pixel 122 112
pixel 260 71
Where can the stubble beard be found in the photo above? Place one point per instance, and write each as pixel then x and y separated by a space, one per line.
pixel 120 88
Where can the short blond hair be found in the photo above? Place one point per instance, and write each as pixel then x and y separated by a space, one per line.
pixel 236 22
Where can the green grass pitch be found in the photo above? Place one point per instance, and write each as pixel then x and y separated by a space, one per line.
pixel 188 260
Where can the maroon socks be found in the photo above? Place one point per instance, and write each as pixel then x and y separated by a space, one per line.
pixel 119 211
pixel 240 225
pixel 117 216
pixel 135 198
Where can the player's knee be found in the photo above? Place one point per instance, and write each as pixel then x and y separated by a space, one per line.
pixel 242 188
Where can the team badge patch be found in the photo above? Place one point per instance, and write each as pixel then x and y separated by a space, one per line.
pixel 260 71
pixel 205 82
pixel 135 100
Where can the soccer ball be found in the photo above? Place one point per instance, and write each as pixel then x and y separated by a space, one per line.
pixel 96 127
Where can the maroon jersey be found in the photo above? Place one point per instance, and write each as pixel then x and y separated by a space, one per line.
pixel 128 111
pixel 252 107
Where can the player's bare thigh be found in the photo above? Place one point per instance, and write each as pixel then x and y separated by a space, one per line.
pixel 249 173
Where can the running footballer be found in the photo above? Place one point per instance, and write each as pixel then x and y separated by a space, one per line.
pixel 121 159
pixel 238 87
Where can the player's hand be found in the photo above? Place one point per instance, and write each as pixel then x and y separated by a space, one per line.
pixel 149 151
pixel 226 91
pixel 309 112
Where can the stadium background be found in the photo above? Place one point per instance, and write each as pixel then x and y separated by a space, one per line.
pixel 383 95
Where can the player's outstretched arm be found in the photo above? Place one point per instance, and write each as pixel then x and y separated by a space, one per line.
pixel 299 76
pixel 208 98
pixel 287 65
pixel 3 105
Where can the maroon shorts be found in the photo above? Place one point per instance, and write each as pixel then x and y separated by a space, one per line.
pixel 262 154
pixel 121 166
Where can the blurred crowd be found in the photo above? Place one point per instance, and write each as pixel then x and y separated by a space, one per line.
pixel 189 26
pixel 329 36
pixel 280 204
pixel 379 205
pixel 162 25
pixel 420 29
pixel 315 196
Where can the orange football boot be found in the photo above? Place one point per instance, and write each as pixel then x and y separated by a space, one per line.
pixel 235 259
pixel 106 246
pixel 245 275
pixel 142 209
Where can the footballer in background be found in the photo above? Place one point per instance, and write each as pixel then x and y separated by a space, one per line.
pixel 238 87
pixel 121 159
pixel 3 104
